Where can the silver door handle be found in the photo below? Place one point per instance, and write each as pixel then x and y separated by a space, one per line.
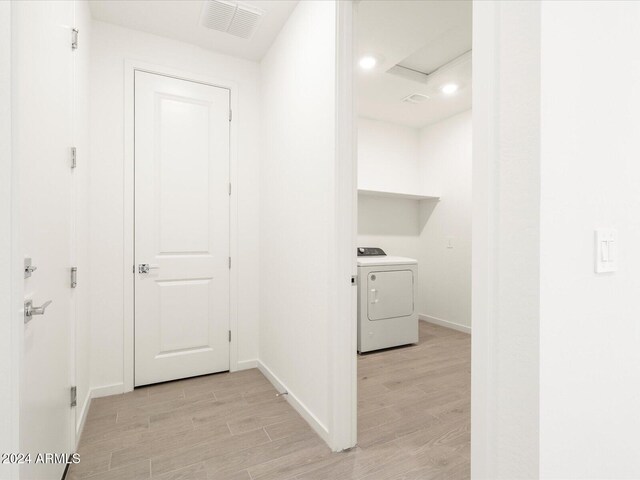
pixel 30 310
pixel 145 267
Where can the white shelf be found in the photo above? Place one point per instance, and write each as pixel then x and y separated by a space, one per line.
pixel 409 196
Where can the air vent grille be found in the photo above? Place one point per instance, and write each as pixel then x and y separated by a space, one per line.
pixel 233 18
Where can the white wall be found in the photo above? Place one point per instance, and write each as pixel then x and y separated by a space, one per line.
pixel 388 161
pixel 444 272
pixel 81 193
pixel 387 157
pixel 505 252
pixel 434 160
pixel 590 167
pixel 111 45
pixel 556 381
pixel 392 224
pixel 297 209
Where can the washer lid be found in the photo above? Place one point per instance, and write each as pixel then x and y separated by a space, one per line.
pixel 385 260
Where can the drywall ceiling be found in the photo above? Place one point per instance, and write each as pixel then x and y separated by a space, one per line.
pixel 421 36
pixel 180 20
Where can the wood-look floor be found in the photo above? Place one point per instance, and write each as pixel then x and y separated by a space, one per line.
pixel 413 424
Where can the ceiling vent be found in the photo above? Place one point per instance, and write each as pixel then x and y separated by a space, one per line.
pixel 415 98
pixel 230 17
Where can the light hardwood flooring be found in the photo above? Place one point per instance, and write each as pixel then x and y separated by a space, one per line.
pixel 413 424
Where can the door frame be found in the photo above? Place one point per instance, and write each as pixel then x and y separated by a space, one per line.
pixel 130 67
pixel 485 227
pixel 485 274
pixel 343 330
pixel 11 278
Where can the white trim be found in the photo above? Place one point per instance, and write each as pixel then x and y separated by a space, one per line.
pixel 130 66
pixel 444 323
pixel 343 375
pixel 11 269
pixel 247 365
pixel 484 278
pixel 73 320
pixel 295 402
pixel 108 390
pixel 95 392
pixel 86 405
pixel 128 315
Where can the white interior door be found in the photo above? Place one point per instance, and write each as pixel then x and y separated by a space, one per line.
pixel 181 228
pixel 43 129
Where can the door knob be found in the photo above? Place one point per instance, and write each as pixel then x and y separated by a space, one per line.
pixel 145 267
pixel 30 310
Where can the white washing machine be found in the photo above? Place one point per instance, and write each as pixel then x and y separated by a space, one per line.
pixel 387 315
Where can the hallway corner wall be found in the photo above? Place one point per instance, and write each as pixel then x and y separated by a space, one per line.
pixel 589 327
pixel 445 238
pixel 297 189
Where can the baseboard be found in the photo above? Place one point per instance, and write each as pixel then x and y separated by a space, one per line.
pixel 95 392
pixel 106 390
pixel 295 402
pixel 444 323
pixel 83 416
pixel 246 365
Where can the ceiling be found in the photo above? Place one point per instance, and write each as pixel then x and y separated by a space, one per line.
pixel 421 36
pixel 180 20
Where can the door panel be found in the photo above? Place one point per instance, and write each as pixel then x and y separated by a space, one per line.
pixel 184 315
pixel 181 228
pixel 43 128
pixel 184 133
pixel 390 294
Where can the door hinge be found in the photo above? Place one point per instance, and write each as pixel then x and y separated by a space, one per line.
pixel 74 39
pixel 230 115
pixel 229 263
pixel 74 157
pixel 354 279
pixel 229 188
pixel 74 277
pixel 229 335
pixel 74 396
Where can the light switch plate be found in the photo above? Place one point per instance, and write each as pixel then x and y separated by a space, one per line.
pixel 606 250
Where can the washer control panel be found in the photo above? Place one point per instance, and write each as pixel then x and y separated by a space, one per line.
pixel 370 252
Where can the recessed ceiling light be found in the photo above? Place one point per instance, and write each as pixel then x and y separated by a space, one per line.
pixel 449 88
pixel 368 62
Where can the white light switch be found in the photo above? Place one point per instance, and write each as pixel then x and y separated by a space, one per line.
pixel 449 242
pixel 606 243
